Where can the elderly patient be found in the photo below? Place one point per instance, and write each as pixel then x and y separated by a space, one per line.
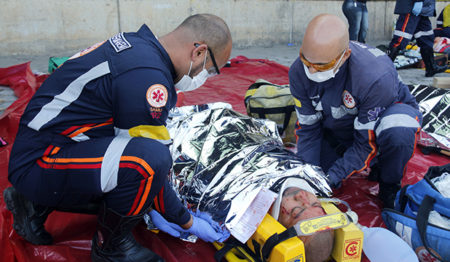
pixel 219 154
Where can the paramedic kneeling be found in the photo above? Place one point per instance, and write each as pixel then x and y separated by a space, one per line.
pixel 351 107
pixel 95 130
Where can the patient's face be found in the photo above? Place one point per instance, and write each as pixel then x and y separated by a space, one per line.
pixel 298 204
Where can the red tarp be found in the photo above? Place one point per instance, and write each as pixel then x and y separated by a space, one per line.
pixel 73 232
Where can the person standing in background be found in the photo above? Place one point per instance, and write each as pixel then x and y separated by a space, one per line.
pixel 357 17
pixel 414 22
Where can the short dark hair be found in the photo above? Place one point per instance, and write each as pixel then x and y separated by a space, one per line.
pixel 209 29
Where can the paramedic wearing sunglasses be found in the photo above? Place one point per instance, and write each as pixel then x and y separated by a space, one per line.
pixel 352 109
pixel 95 132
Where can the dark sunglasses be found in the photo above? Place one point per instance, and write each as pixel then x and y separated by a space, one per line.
pixel 212 58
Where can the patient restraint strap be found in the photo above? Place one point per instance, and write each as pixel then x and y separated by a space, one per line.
pixel 274 240
pixel 221 253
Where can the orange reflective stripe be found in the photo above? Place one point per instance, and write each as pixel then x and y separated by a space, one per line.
pixel 55 150
pixel 145 195
pixel 295 132
pixel 87 128
pixel 72 160
pixel 140 161
pixel 371 155
pixel 400 39
pixel 136 200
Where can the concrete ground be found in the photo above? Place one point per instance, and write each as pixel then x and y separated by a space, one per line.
pixel 282 54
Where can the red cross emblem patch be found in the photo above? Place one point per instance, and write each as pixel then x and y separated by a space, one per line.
pixel 348 99
pixel 157 95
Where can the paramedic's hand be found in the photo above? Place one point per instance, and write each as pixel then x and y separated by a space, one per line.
pixel 417 8
pixel 206 228
pixel 161 223
pixel 333 181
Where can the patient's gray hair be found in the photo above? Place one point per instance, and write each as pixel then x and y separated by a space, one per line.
pixel 319 246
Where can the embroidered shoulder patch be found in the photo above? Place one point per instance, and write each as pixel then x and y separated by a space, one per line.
pixel 119 42
pixel 157 95
pixel 348 99
pixel 374 113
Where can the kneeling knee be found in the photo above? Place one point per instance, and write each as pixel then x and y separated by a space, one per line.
pixel 152 152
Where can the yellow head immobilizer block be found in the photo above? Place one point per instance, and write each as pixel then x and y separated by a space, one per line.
pixel 348 242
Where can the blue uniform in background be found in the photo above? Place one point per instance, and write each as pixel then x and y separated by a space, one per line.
pixel 344 122
pixel 95 130
pixel 443 23
pixel 410 26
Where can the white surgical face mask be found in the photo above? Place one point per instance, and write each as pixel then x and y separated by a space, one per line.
pixel 188 83
pixel 322 76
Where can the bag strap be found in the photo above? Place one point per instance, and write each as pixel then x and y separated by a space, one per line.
pixel 287 117
pixel 287 110
pixel 402 198
pixel 422 221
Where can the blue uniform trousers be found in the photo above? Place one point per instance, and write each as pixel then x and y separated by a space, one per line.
pixel 395 144
pixel 410 26
pixel 70 175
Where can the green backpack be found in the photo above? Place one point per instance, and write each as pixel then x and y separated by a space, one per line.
pixel 274 102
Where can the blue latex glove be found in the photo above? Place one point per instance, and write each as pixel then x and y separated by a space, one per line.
pixel 206 228
pixel 161 223
pixel 417 8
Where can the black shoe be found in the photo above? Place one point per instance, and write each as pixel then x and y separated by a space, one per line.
pixel 114 241
pixel 29 218
pixel 392 52
pixel 431 68
pixel 435 70
pixel 387 194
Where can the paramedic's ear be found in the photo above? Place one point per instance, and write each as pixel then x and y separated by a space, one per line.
pixel 199 52
pixel 347 54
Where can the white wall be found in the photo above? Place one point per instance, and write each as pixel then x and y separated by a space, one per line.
pixel 52 26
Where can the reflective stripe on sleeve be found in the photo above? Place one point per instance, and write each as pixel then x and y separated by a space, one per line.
pixel 70 94
pixel 396 120
pixel 360 126
pixel 308 119
pixel 339 112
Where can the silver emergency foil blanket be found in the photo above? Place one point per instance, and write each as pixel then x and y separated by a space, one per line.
pixel 434 104
pixel 219 153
